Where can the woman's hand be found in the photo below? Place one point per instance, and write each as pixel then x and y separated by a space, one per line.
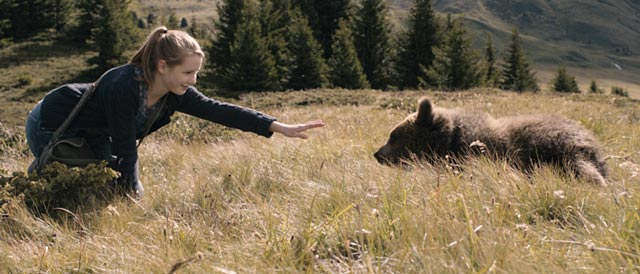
pixel 294 131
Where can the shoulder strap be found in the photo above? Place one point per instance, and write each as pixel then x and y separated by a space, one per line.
pixel 153 117
pixel 83 100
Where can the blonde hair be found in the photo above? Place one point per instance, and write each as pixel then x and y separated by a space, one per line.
pixel 163 44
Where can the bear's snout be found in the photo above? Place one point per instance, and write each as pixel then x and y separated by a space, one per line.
pixel 382 157
pixel 379 157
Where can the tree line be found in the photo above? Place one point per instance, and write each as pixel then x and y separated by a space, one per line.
pixel 302 44
pixel 273 45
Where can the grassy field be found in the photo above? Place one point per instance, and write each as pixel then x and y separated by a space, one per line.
pixel 246 204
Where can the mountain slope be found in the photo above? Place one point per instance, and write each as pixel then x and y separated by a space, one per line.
pixel 598 39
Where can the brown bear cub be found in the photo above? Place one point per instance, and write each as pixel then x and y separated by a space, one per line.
pixel 434 133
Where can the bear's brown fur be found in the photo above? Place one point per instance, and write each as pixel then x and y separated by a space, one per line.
pixel 527 140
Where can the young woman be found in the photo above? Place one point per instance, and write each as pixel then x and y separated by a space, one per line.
pixel 165 68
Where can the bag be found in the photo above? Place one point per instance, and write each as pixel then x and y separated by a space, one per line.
pixel 73 152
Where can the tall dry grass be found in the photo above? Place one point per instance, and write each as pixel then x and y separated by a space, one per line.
pixel 247 204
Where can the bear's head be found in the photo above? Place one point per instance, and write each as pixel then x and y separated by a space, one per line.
pixel 427 134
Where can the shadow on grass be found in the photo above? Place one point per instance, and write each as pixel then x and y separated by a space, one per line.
pixel 85 76
pixel 31 51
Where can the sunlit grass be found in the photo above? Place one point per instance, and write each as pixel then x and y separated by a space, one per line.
pixel 247 204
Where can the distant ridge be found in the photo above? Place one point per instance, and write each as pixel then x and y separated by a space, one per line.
pixel 596 37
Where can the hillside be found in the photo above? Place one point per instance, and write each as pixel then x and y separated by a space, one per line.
pixel 204 11
pixel 594 39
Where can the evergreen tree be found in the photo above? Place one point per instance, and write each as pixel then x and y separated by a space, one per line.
pixel 563 82
pixel 372 38
pixel 329 14
pixel 619 91
pixel 323 17
pixel 142 24
pixel 229 16
pixel 60 13
pixel 308 68
pixel 5 24
pixel 184 23
pixel 4 40
pixel 492 74
pixel 593 87
pixel 87 19
pixel 172 22
pixel 416 45
pixel 344 67
pixel 29 17
pixel 275 19
pixel 25 17
pixel 152 19
pixel 252 66
pixel 308 9
pixel 456 65
pixel 115 33
pixel 194 28
pixel 516 71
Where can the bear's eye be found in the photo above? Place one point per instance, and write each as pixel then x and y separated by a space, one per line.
pixel 393 137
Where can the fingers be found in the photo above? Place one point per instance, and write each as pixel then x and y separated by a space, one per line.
pixel 296 130
pixel 310 125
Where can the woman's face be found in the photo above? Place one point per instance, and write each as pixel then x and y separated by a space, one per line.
pixel 178 78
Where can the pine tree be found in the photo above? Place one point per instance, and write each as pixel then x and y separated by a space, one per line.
pixel 230 13
pixel 142 24
pixel 252 66
pixel 492 74
pixel 275 19
pixel 323 17
pixel 516 71
pixel 5 24
pixel 329 14
pixel 172 22
pixel 60 13
pixel 4 40
pixel 372 38
pixel 563 82
pixel 87 19
pixel 416 45
pixel 456 65
pixel 194 28
pixel 344 67
pixel 152 19
pixel 593 87
pixel 27 17
pixel 115 33
pixel 184 23
pixel 308 68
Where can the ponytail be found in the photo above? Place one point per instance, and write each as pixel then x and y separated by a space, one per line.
pixel 163 44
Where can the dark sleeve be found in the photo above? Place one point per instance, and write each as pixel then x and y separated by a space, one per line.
pixel 197 104
pixel 121 105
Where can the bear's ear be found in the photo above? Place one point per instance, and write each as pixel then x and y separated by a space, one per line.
pixel 425 112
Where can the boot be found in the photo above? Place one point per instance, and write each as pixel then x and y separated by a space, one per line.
pixel 137 189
